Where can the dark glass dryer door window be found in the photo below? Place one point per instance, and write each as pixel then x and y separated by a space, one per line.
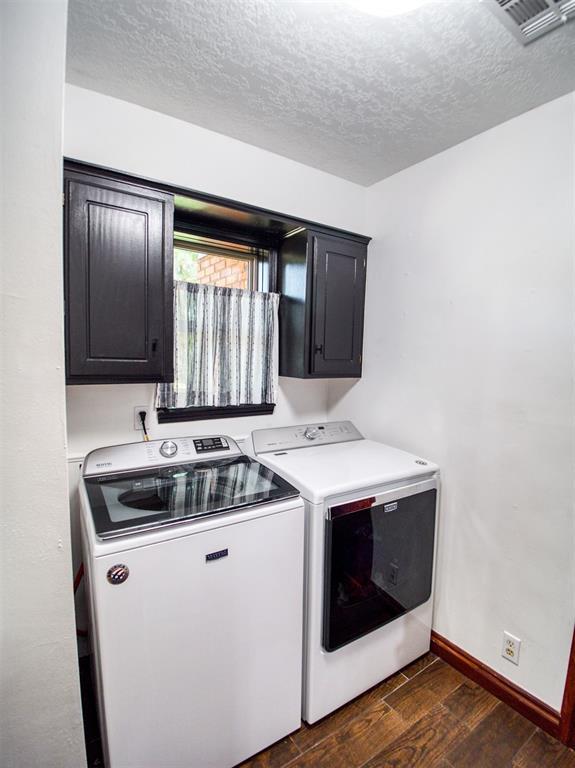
pixel 141 500
pixel 378 566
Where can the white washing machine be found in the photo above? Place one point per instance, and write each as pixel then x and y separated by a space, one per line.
pixel 194 560
pixel 371 524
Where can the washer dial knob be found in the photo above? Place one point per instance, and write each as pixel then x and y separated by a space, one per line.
pixel 168 449
pixel 311 433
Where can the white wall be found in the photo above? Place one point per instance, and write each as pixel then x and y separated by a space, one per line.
pixel 114 133
pixel 40 720
pixel 469 360
pixel 103 414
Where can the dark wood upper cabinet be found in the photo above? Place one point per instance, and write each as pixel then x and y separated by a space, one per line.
pixel 119 277
pixel 322 281
pixel 119 236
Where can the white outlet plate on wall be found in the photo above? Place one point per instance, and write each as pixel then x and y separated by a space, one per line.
pixel 511 648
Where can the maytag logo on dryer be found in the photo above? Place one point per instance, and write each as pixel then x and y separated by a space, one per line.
pixel 104 464
pixel 390 507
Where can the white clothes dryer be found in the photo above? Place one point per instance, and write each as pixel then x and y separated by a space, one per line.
pixel 371 530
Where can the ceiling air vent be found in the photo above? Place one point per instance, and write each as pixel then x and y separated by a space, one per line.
pixel 530 19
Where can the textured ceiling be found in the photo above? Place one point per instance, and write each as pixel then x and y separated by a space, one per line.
pixel 355 95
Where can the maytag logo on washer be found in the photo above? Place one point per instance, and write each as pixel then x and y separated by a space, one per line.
pixel 118 574
pixel 216 555
pixel 104 464
pixel 390 507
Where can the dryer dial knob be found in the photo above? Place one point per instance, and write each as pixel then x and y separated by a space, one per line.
pixel 311 433
pixel 168 449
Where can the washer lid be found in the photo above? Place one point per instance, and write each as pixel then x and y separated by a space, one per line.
pixel 327 470
pixel 129 502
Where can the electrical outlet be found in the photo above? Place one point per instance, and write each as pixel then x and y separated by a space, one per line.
pixel 137 422
pixel 511 648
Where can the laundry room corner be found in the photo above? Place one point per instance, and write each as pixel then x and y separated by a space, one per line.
pixel 469 360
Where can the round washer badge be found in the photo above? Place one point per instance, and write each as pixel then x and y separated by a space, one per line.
pixel 118 574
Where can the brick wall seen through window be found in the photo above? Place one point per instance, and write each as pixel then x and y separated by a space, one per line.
pixel 213 262
pixel 219 270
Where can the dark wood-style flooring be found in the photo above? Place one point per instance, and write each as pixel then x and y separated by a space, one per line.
pixel 427 715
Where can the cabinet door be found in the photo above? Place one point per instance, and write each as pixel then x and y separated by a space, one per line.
pixel 338 302
pixel 119 318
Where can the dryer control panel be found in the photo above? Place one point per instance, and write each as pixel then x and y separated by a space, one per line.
pixel 304 436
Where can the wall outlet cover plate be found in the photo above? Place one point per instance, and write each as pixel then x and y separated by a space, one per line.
pixel 511 648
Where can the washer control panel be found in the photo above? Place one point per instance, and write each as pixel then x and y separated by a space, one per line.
pixel 209 444
pixel 304 436
pixel 157 453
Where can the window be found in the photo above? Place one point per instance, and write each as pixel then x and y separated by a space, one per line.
pixel 215 262
pixel 226 341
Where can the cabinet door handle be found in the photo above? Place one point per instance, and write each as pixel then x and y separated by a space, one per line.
pixel 154 346
pixel 318 349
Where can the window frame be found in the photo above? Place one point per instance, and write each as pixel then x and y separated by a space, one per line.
pixel 201 413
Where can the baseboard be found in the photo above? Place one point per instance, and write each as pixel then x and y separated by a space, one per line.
pixel 544 716
pixel 567 727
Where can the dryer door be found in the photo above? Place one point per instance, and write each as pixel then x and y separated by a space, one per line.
pixel 378 562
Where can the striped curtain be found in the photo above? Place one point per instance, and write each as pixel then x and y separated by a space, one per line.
pixel 226 343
